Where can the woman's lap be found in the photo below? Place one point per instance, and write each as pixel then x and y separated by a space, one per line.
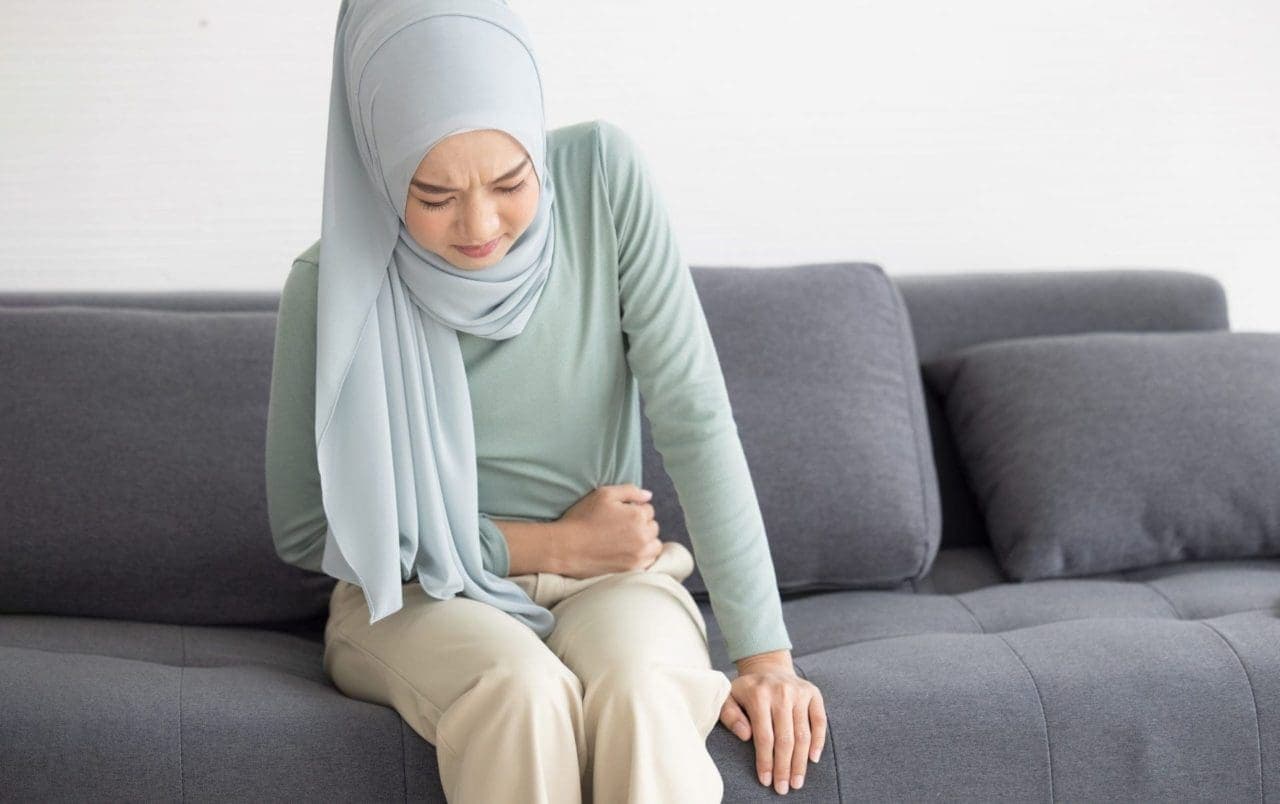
pixel 437 647
pixel 612 626
pixel 629 620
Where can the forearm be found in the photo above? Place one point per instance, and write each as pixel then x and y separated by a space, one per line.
pixel 533 546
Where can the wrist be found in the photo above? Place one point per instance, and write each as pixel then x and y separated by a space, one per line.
pixel 532 546
pixel 561 537
pixel 775 659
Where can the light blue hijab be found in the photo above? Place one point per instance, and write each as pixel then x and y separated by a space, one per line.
pixel 395 439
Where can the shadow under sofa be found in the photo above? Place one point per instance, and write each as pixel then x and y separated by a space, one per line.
pixel 153 646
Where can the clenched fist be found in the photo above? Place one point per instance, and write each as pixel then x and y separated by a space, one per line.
pixel 611 529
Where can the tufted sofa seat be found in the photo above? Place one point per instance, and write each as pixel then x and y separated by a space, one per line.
pixel 1156 682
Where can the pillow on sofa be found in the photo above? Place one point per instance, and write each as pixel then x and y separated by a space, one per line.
pixel 1106 451
pixel 821 370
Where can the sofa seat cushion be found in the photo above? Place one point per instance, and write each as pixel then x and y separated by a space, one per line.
pixel 1134 707
pixel 965 593
pixel 1154 684
pixel 1161 683
pixel 156 711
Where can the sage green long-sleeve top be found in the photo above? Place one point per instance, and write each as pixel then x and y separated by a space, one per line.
pixel 557 408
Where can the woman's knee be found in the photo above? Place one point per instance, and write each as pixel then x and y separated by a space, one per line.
pixel 636 686
pixel 626 684
pixel 535 681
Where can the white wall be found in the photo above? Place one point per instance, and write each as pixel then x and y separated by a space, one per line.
pixel 180 144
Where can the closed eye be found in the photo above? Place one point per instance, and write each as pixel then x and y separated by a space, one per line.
pixel 442 204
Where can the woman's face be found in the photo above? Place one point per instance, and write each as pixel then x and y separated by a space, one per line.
pixel 470 189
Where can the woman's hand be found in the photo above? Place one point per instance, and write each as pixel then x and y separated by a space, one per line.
pixel 784 712
pixel 611 529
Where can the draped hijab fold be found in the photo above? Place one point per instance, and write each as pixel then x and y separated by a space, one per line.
pixel 395 439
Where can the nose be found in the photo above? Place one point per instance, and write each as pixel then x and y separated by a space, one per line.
pixel 479 222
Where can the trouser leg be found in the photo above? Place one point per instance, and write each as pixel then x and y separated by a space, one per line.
pixel 503 712
pixel 651 697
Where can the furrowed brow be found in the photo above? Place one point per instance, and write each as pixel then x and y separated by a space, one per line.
pixel 435 188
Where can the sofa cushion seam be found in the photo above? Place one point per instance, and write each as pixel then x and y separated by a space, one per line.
pixel 1257 718
pixel 981 628
pixel 831 735
pixel 182 671
pixel 1044 717
pixel 1163 597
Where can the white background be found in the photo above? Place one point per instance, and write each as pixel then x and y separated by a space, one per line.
pixel 179 145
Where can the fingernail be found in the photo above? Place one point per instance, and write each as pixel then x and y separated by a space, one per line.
pixel 817 756
pixel 798 782
pixel 782 786
pixel 765 778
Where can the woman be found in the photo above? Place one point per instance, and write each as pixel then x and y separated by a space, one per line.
pixel 548 648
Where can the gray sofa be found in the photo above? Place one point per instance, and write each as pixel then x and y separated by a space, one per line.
pixel 153 646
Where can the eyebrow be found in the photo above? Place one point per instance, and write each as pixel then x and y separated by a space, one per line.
pixel 435 188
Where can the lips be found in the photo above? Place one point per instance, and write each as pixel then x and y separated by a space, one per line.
pixel 481 250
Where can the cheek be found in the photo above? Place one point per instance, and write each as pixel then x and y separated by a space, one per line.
pixel 422 224
pixel 525 210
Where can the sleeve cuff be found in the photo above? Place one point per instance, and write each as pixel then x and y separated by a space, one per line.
pixel 493 544
pixel 764 641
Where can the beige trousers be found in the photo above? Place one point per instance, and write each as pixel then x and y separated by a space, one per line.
pixel 613 707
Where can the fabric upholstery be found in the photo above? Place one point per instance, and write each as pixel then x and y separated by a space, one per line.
pixel 952 311
pixel 1114 450
pixel 132 467
pixel 822 374
pixel 1161 683
pixel 1153 684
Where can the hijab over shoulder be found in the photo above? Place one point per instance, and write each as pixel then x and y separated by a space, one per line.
pixel 395 439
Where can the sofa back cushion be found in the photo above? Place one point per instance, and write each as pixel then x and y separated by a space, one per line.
pixel 139 429
pixel 132 482
pixel 952 311
pixel 131 476
pixel 826 392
